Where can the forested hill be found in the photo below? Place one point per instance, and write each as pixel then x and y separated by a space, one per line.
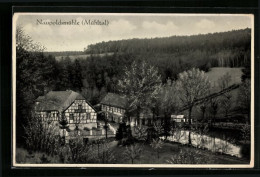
pixel 231 40
pixel 65 53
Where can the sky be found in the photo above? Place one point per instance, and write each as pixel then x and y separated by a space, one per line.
pixel 123 26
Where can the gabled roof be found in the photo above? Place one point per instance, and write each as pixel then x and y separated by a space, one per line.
pixel 113 99
pixel 57 100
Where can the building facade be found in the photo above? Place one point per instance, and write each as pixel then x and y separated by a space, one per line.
pixel 114 107
pixel 71 105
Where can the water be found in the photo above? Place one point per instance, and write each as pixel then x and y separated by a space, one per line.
pixel 206 142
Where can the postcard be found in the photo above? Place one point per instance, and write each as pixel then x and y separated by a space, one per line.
pixel 140 90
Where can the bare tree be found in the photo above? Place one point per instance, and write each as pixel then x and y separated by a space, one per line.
pixel 224 81
pixel 157 144
pixel 192 85
pixel 140 84
pixel 169 103
pixel 133 152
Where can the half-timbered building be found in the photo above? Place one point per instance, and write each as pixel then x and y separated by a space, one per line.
pixel 73 106
pixel 114 106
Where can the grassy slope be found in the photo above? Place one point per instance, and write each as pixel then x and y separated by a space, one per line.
pixel 216 73
pixel 149 156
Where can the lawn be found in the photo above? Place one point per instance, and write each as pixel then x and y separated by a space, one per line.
pixel 177 151
pixel 216 73
pixel 169 153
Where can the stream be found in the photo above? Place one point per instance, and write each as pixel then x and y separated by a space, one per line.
pixel 206 142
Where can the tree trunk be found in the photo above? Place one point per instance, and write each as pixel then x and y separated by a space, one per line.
pixel 138 116
pixel 190 110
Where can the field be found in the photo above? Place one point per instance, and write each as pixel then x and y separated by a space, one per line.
pixel 74 57
pixel 216 73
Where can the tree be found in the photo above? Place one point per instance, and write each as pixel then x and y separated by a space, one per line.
pixel 79 152
pixel 192 85
pixel 214 107
pixel 124 133
pixel 245 132
pixel 41 135
pixel 226 103
pixel 140 133
pixel 169 103
pixel 224 81
pixel 35 74
pixel 63 125
pixel 140 85
pixel 246 71
pixel 157 144
pixel 202 108
pixel 105 155
pixel 76 76
pixel 133 152
pixel 244 98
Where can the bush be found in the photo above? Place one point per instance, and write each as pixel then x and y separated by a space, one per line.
pixel 133 152
pixel 20 155
pixel 41 136
pixel 245 151
pixel 188 156
pixel 123 131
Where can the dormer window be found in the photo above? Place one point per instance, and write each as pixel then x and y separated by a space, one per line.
pixel 80 107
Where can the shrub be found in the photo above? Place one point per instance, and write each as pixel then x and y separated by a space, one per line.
pixel 41 136
pixel 124 134
pixel 157 145
pixel 133 152
pixel 188 156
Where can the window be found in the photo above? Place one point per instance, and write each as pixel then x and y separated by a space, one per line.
pixel 143 122
pixel 88 115
pixel 71 117
pixel 80 107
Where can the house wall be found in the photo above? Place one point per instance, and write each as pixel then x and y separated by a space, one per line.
pixel 82 114
pixel 112 109
pixel 116 111
pixel 48 115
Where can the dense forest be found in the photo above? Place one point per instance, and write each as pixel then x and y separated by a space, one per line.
pixel 218 49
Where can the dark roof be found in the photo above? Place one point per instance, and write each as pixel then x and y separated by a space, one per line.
pixel 115 100
pixel 40 98
pixel 57 100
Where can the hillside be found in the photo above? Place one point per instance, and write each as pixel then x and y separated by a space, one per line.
pixel 225 49
pixel 79 56
pixel 216 73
